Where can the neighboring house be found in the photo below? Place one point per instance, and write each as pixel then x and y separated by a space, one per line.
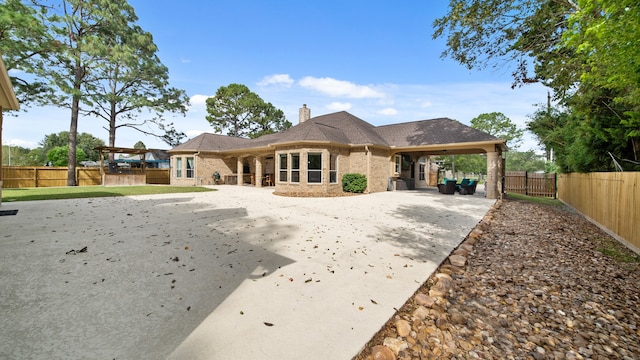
pixel 8 101
pixel 309 159
pixel 153 158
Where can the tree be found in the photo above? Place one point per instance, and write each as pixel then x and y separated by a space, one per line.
pixel 585 50
pixel 25 44
pixel 241 113
pixel 524 34
pixel 140 146
pixel 81 28
pixel 59 156
pixel 271 120
pixel 85 141
pixel 500 126
pixel 134 83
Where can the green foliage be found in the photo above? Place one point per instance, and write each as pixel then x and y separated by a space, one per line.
pixel 59 156
pixel 524 161
pixel 84 141
pixel 140 146
pixel 500 126
pixel 16 156
pixel 585 51
pixel 237 111
pixel 354 183
pixel 134 80
pixel 25 43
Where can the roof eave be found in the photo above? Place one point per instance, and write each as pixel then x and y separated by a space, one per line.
pixel 487 145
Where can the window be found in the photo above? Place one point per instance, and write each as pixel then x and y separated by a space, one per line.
pixel 283 168
pixel 333 172
pixel 190 168
pixel 421 172
pixel 398 164
pixel 178 167
pixel 314 168
pixel 295 168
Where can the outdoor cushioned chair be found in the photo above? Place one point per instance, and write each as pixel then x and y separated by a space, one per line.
pixel 469 189
pixel 464 182
pixel 449 187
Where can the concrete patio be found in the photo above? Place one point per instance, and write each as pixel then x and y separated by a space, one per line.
pixel 238 273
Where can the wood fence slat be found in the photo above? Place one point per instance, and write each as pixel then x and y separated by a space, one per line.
pixel 532 184
pixel 609 199
pixel 46 176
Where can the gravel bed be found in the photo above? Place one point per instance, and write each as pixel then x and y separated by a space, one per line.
pixel 531 281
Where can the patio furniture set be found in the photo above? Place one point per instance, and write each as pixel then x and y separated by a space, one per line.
pixel 451 186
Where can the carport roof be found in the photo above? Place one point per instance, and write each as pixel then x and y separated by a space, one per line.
pixel 431 132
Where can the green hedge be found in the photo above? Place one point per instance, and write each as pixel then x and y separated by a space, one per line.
pixel 354 183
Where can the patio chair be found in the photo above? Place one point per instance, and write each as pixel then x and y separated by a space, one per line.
pixel 449 187
pixel 469 189
pixel 464 182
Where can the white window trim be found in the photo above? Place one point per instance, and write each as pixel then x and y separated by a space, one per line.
pixel 398 164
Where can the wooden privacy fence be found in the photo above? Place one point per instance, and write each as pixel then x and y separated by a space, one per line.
pixel 531 184
pixel 47 176
pixel 610 199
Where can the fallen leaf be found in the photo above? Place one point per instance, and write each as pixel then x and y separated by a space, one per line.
pixel 360 308
pixel 373 302
pixel 308 280
pixel 268 324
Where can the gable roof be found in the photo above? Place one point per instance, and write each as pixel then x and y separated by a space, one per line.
pixel 345 128
pixel 340 127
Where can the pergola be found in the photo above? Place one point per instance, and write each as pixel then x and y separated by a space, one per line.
pixel 114 176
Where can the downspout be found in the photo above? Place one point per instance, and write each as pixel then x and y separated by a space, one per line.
pixel 366 148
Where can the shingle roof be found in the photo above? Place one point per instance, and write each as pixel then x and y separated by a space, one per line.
pixel 344 128
pixel 212 142
pixel 431 132
pixel 340 127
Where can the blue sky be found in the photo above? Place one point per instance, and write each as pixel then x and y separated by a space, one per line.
pixel 374 59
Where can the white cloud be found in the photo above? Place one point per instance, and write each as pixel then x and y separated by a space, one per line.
pixel 199 99
pixel 338 106
pixel 185 61
pixel 277 79
pixel 336 88
pixel 388 111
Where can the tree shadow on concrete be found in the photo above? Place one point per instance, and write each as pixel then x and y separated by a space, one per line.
pixel 152 272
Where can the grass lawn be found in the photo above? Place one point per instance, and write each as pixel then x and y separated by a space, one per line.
pixel 71 192
pixel 539 200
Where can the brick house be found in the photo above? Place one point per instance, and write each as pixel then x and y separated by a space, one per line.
pixel 311 157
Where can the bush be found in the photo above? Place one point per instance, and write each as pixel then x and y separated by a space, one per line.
pixel 355 183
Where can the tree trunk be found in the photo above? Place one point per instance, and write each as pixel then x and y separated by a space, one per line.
pixel 73 132
pixel 112 130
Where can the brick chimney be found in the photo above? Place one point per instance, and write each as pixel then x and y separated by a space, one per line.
pixel 305 114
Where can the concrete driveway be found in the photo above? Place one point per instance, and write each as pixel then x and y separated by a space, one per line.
pixel 234 274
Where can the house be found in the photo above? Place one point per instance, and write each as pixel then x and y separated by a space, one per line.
pixel 8 101
pixel 310 158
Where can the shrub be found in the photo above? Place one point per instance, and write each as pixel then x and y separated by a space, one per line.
pixel 355 183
